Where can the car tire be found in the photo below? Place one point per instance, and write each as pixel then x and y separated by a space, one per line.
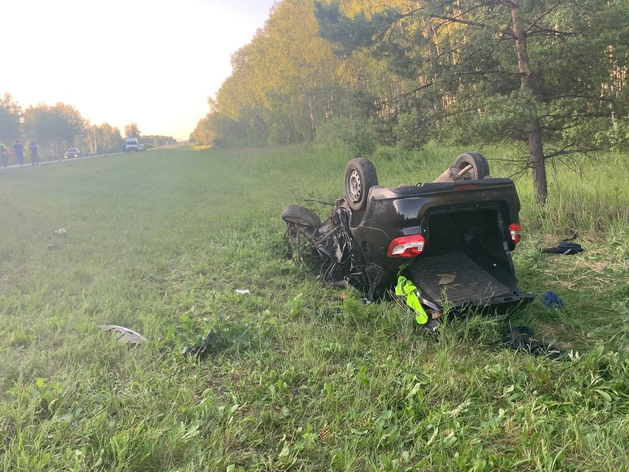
pixel 300 215
pixel 360 177
pixel 480 166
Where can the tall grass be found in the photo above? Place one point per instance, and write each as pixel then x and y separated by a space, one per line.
pixel 301 378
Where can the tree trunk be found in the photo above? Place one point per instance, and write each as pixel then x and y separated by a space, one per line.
pixel 540 183
pixel 313 128
pixel 536 159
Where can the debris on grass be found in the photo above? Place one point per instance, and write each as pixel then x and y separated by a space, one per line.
pixel 217 339
pixel 200 350
pixel 522 338
pixel 61 232
pixel 243 292
pixel 233 332
pixel 126 335
pixel 565 248
pixel 552 300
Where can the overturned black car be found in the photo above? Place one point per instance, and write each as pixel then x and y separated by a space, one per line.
pixel 452 238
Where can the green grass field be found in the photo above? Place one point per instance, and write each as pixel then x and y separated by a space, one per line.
pixel 300 380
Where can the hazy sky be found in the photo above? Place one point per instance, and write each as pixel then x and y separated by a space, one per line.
pixel 153 62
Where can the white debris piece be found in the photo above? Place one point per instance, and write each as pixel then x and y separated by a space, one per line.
pixel 126 335
pixel 243 292
pixel 61 232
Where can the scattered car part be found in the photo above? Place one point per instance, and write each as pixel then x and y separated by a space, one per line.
pixel 522 338
pixel 127 336
pixel 199 350
pixel 243 292
pixel 552 301
pixel 61 232
pixel 431 325
pixel 564 247
pixel 445 279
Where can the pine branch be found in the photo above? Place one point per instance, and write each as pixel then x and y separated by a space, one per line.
pixel 460 20
pixel 404 95
pixel 565 151
pixel 451 19
pixel 541 16
pixel 559 128
pixel 550 32
pixel 585 97
pixel 494 71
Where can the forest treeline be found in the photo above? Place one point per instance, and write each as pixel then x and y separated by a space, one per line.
pixel 58 127
pixel 550 74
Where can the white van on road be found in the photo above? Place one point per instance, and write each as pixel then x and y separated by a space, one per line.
pixel 132 145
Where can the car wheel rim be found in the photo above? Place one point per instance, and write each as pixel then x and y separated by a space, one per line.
pixel 355 186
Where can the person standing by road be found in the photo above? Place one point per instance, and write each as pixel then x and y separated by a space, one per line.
pixel 34 158
pixel 18 150
pixel 4 157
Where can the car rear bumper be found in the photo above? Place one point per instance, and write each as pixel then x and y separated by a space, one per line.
pixel 501 307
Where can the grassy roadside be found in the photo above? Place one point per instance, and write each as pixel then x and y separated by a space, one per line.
pixel 159 242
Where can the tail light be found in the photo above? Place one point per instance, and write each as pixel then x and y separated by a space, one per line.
pixel 466 187
pixel 515 230
pixel 406 246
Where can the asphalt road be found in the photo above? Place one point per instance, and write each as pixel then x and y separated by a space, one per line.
pixel 46 163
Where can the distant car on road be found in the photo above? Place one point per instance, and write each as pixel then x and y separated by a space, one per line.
pixel 132 145
pixel 141 147
pixel 72 152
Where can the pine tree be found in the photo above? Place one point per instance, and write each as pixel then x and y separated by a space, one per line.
pixel 547 72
